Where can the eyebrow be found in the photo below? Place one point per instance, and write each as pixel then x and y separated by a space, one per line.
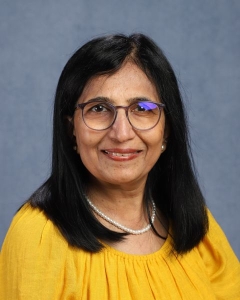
pixel 109 100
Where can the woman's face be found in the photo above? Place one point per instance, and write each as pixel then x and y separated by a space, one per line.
pixel 119 155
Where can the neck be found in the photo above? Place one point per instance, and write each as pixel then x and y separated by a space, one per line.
pixel 124 204
pixel 117 197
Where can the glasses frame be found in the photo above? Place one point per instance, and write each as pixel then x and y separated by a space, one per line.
pixel 115 109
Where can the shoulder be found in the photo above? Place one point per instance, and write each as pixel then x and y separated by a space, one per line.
pixel 31 234
pixel 215 240
pixel 30 226
pixel 33 257
pixel 221 264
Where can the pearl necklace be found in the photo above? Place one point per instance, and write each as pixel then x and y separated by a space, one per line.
pixel 123 228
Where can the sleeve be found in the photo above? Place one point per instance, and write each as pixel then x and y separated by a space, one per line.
pixel 30 265
pixel 222 265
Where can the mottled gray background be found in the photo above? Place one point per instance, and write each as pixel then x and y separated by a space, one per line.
pixel 202 41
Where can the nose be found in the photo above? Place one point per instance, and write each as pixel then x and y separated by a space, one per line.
pixel 121 130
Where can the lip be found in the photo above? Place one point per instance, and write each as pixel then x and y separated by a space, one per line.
pixel 121 154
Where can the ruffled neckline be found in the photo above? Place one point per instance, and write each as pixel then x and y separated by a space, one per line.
pixel 164 250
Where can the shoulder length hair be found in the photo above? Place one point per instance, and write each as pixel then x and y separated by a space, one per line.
pixel 172 182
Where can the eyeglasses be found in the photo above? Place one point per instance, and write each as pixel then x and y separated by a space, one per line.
pixel 101 115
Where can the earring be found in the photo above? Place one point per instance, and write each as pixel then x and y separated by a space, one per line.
pixel 75 148
pixel 163 147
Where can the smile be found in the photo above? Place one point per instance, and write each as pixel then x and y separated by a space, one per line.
pixel 123 154
pixel 120 154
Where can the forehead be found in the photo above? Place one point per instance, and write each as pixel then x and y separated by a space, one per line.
pixel 128 82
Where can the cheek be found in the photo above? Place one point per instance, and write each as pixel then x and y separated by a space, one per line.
pixel 81 133
pixel 154 144
pixel 86 151
pixel 87 142
pixel 155 138
pixel 84 143
pixel 155 150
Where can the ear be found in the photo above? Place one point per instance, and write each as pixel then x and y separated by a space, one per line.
pixel 69 122
pixel 165 136
pixel 166 130
pixel 70 126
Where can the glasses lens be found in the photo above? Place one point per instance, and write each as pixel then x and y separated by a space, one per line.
pixel 98 115
pixel 144 115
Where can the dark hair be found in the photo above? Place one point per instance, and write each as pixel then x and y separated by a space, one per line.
pixel 171 182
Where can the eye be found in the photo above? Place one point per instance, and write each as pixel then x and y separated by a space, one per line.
pixel 140 107
pixel 143 106
pixel 97 108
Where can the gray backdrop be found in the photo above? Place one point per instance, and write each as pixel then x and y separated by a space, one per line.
pixel 202 41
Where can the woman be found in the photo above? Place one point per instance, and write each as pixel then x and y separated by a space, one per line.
pixel 122 215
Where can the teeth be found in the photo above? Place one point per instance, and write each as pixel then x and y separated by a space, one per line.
pixel 118 154
pixel 121 154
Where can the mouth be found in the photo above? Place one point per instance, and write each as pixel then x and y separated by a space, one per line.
pixel 121 154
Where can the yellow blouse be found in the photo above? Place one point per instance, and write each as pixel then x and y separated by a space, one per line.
pixel 36 262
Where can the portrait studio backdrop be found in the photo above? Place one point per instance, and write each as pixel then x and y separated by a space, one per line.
pixel 201 40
